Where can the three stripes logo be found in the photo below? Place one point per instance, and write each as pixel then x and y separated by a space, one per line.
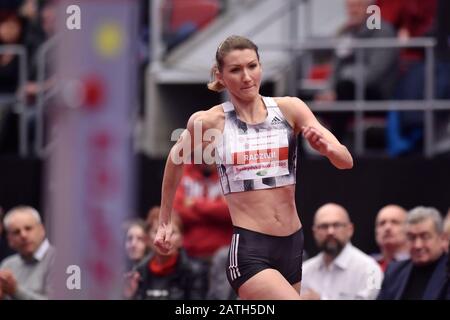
pixel 233 267
pixel 276 120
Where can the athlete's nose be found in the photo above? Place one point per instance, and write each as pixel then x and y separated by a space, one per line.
pixel 246 76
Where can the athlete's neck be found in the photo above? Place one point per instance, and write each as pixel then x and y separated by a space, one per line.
pixel 253 111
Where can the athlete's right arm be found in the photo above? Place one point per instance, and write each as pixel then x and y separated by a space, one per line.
pixel 178 155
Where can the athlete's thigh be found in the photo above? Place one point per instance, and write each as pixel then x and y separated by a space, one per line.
pixel 268 284
pixel 298 287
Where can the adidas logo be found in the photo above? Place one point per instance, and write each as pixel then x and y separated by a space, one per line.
pixel 276 120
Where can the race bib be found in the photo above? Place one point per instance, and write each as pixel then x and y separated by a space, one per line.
pixel 260 155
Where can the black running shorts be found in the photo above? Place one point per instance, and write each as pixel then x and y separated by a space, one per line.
pixel 251 252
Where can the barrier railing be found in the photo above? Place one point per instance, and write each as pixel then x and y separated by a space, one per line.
pixel 42 95
pixel 360 105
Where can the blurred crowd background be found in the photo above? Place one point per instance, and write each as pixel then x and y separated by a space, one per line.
pixel 380 83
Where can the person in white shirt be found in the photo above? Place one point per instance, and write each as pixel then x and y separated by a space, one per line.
pixel 340 271
pixel 27 274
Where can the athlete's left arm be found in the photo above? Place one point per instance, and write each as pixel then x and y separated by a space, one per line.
pixel 320 138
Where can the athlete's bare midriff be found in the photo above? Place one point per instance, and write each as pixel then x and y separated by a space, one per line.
pixel 269 211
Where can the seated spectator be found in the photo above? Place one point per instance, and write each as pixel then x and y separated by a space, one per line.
pixel 202 208
pixel 424 276
pixel 171 276
pixel 378 67
pixel 390 235
pixel 27 274
pixel 135 243
pixel 340 271
pixel 5 250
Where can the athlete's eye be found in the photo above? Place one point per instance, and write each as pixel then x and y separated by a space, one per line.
pixel 253 66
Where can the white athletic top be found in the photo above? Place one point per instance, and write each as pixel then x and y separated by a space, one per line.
pixel 256 156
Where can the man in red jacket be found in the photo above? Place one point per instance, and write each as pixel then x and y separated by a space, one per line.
pixel 202 207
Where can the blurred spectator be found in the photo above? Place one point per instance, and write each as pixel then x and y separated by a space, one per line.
pixel 135 243
pixel 219 286
pixel 5 250
pixel 27 274
pixel 411 18
pixel 171 276
pixel 340 271
pixel 11 33
pixel 390 234
pixel 35 36
pixel 447 229
pixel 48 25
pixel 417 18
pixel 201 205
pixel 181 19
pixel 377 69
pixel 150 216
pixel 39 27
pixel 423 277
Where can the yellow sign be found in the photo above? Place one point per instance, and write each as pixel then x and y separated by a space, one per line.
pixel 109 39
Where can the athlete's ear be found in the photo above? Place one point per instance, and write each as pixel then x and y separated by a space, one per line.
pixel 219 77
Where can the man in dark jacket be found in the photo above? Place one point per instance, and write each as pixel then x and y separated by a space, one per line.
pixel 424 276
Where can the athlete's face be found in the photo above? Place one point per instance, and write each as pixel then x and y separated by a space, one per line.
pixel 241 74
pixel 426 244
pixel 332 229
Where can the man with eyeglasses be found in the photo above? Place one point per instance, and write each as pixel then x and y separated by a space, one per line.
pixel 424 276
pixel 340 271
pixel 26 275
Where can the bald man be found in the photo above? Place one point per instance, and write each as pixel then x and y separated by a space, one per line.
pixel 340 271
pixel 390 235
pixel 26 275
